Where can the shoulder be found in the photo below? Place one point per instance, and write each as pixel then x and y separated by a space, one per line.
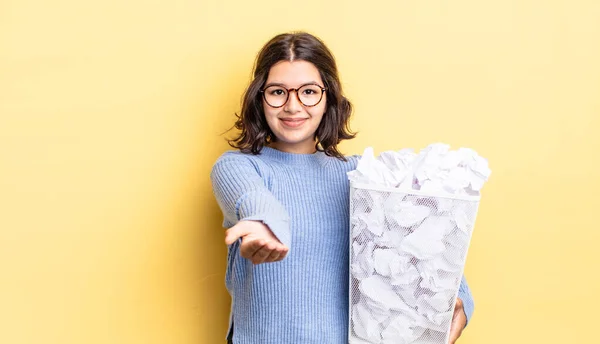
pixel 348 165
pixel 353 160
pixel 234 161
pixel 235 156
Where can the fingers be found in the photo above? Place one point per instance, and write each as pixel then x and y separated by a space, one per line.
pixel 455 332
pixel 248 248
pixel 459 321
pixel 273 257
pixel 264 253
pixel 270 252
pixel 277 254
pixel 283 251
pixel 236 232
pixel 458 304
pixel 258 243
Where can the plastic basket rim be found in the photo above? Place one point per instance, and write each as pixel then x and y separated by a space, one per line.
pixel 413 192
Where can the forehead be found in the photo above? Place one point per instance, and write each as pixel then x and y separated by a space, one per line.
pixel 294 73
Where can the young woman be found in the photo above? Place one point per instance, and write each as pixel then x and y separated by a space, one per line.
pixel 284 195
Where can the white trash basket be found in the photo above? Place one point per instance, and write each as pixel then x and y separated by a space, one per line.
pixel 407 256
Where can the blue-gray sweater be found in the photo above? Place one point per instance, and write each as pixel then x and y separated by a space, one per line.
pixel 303 199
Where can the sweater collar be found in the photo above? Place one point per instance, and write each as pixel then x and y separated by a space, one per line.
pixel 295 159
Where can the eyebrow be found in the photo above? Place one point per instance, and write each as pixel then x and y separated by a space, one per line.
pixel 284 85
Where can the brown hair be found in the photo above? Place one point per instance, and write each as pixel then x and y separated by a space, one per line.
pixel 255 132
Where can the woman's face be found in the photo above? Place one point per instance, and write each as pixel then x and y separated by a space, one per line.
pixel 294 124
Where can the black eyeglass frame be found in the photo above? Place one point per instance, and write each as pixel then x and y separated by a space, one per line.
pixel 289 90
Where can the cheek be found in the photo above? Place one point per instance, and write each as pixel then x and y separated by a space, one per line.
pixel 265 108
pixel 318 111
pixel 271 118
pixel 317 119
pixel 268 111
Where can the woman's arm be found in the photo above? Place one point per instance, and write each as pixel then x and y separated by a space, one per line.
pixel 464 293
pixel 463 310
pixel 249 209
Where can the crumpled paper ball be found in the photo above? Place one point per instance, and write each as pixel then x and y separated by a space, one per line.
pixel 435 168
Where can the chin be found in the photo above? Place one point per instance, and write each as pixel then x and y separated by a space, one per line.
pixel 294 142
pixel 292 139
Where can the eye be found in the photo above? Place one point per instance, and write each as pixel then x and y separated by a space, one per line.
pixel 276 92
pixel 310 90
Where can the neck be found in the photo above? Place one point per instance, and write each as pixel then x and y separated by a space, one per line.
pixel 307 148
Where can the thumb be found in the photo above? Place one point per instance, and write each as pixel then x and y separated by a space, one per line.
pixel 235 232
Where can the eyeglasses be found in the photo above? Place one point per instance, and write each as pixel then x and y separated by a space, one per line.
pixel 309 95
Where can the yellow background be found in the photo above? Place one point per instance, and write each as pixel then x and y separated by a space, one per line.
pixel 110 116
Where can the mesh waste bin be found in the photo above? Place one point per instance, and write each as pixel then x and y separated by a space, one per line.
pixel 407 255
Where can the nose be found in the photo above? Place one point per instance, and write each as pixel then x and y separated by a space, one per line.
pixel 293 105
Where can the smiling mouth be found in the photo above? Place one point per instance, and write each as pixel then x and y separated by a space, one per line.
pixel 293 122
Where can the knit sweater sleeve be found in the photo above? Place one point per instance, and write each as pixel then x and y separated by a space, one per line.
pixel 464 293
pixel 242 195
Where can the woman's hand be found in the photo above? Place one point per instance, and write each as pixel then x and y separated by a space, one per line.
pixel 459 321
pixel 259 244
